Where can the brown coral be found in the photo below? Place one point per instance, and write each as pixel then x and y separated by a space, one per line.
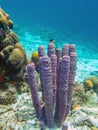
pixel 16 62
pixel 5 20
pixel 12 54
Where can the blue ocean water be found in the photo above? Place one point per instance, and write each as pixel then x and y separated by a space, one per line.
pixel 77 16
pixel 66 21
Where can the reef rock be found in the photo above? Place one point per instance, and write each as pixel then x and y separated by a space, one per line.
pixel 7 94
pixel 78 94
pixel 84 117
pixel 12 54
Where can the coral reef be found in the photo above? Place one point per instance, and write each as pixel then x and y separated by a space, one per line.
pixel 7 94
pixel 88 84
pixel 22 87
pixel 35 56
pixel 91 83
pixel 16 62
pixel 84 116
pixel 56 82
pixel 91 98
pixel 5 20
pixel 10 90
pixel 35 59
pixel 12 54
pixel 21 115
pixel 75 107
pixel 78 94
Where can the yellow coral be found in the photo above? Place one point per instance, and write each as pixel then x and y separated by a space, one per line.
pixel 91 83
pixel 75 107
pixel 35 57
pixel 88 84
pixel 94 80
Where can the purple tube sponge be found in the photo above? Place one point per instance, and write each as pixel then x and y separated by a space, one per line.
pixel 72 48
pixel 33 86
pixel 58 54
pixel 54 68
pixel 73 59
pixel 62 92
pixel 54 77
pixel 51 49
pixel 45 66
pixel 65 50
pixel 64 126
pixel 41 51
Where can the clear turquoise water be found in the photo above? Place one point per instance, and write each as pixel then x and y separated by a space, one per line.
pixel 87 63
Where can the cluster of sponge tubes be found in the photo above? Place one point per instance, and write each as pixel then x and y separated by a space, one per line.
pixel 57 73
